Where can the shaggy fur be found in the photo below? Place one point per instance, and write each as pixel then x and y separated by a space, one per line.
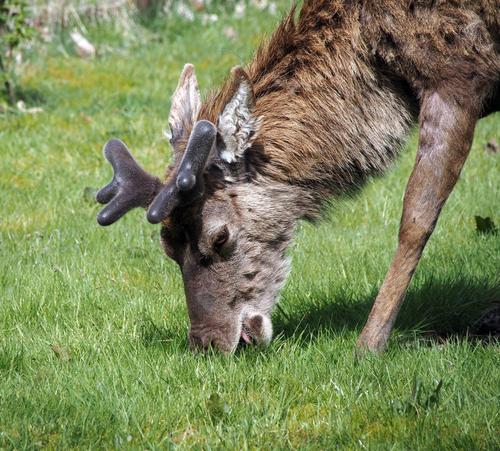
pixel 338 89
pixel 326 103
pixel 323 105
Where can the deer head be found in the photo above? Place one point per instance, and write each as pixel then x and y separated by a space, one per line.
pixel 225 226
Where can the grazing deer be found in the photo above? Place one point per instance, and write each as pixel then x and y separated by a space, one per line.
pixel 326 103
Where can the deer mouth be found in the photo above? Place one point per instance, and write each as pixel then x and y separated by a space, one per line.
pixel 256 329
pixel 246 337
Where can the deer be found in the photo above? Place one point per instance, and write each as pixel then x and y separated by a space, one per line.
pixel 326 103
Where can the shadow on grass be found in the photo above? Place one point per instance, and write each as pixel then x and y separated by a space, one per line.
pixel 31 97
pixel 153 334
pixel 438 309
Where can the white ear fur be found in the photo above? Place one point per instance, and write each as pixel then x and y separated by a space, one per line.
pixel 185 102
pixel 237 124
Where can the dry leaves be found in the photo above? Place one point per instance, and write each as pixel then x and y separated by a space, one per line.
pixel 82 45
pixel 197 5
pixel 21 106
pixel 230 33
pixel 491 146
pixel 61 353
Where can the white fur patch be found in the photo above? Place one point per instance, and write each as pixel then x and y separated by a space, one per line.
pixel 185 101
pixel 266 332
pixel 237 125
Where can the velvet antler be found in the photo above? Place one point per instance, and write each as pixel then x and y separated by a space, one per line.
pixel 130 188
pixel 188 182
pixel 133 187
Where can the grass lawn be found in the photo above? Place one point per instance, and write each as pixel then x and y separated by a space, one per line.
pixel 93 322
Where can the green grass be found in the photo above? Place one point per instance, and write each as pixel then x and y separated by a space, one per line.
pixel 93 348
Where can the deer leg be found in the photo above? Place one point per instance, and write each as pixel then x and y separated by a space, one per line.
pixel 446 132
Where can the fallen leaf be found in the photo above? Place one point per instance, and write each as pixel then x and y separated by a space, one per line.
pixel 86 119
pixel 198 5
pixel 491 146
pixel 61 353
pixel 82 45
pixel 21 106
pixel 230 33
pixel 179 437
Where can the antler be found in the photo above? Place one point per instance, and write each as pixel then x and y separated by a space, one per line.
pixel 188 183
pixel 133 187
pixel 130 188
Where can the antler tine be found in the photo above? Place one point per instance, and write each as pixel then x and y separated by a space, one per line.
pixel 182 187
pixel 130 188
pixel 164 203
pixel 195 158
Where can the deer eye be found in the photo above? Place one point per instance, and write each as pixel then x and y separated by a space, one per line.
pixel 221 238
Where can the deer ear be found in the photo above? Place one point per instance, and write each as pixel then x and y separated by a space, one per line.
pixel 185 104
pixel 237 125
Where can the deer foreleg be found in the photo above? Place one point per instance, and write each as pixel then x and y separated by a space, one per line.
pixel 446 132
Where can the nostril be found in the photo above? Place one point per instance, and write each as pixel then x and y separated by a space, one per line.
pixel 256 323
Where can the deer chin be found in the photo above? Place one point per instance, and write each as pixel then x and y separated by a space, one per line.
pixel 256 328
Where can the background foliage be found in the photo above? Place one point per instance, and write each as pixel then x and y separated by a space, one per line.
pixel 14 31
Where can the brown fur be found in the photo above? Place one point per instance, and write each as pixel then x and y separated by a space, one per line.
pixel 337 90
pixel 325 104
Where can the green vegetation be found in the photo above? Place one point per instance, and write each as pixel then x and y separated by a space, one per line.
pixel 93 348
pixel 14 31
